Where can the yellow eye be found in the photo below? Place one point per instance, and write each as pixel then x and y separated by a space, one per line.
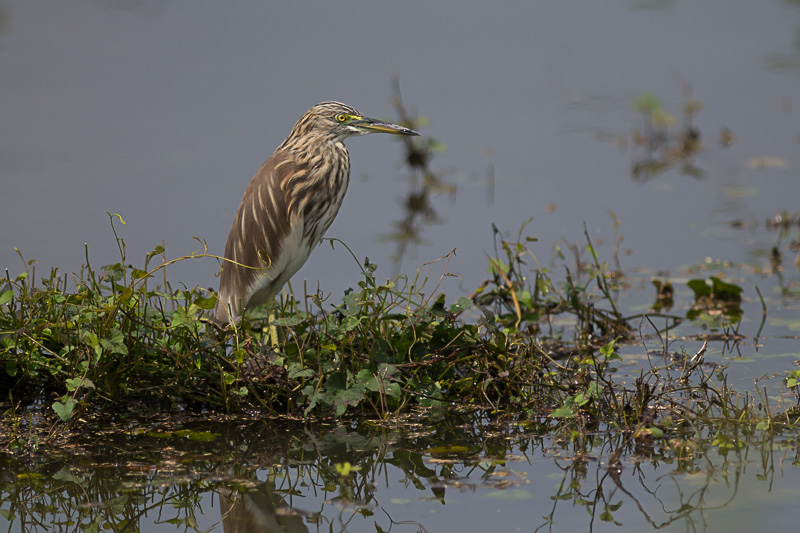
pixel 341 118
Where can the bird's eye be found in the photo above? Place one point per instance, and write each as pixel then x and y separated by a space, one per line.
pixel 341 118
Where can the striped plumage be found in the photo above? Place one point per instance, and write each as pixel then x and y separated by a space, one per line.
pixel 289 205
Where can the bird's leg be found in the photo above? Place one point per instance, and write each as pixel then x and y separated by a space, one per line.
pixel 276 335
pixel 274 341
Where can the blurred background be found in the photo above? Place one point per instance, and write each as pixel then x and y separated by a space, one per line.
pixel 678 117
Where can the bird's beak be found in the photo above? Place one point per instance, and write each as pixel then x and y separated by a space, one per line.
pixel 370 125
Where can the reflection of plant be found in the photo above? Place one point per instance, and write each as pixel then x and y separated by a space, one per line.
pixel 294 474
pixel 787 228
pixel 664 295
pixel 603 490
pixel 425 182
pixel 664 147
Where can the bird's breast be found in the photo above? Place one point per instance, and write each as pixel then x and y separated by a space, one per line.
pixel 323 192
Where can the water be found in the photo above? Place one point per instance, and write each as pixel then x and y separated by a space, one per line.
pixel 450 474
pixel 162 112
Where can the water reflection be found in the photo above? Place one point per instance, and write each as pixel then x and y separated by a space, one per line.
pixel 430 471
pixel 664 143
pixel 425 183
pixel 258 508
pixel 787 229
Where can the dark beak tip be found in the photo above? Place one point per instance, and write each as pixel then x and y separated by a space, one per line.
pixel 388 127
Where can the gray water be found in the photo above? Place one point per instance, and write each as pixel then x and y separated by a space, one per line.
pixel 435 474
pixel 162 112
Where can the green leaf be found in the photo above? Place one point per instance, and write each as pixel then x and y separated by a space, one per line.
pixel 365 377
pixel 497 266
pixel 700 287
pixel 349 323
pixel 297 371
pixel 393 390
pixel 609 351
pixel 525 299
pixel 594 389
pixel 138 273
pixel 462 304
pixel 725 291
pixel 614 506
pixel 346 398
pixel 388 371
pixel 6 297
pixel 74 384
pixel 582 399
pixel 182 317
pixel 717 289
pixel 314 397
pixel 115 343
pixel 125 294
pixel 64 408
pixel 565 411
pixel 203 302
pixel 158 250
pixel 380 351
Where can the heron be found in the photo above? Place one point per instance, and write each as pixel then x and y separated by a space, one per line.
pixel 289 205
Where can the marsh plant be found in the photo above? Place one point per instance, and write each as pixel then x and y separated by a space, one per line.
pixel 525 345
pixel 530 342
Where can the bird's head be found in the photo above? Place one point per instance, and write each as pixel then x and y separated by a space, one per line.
pixel 337 120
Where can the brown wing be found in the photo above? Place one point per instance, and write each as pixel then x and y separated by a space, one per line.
pixel 261 226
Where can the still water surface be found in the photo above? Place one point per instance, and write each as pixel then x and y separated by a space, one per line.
pixel 162 111
pixel 445 474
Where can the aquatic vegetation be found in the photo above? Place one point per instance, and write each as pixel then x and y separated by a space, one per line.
pixel 116 366
pixel 333 475
pixel 530 343
pixel 525 345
